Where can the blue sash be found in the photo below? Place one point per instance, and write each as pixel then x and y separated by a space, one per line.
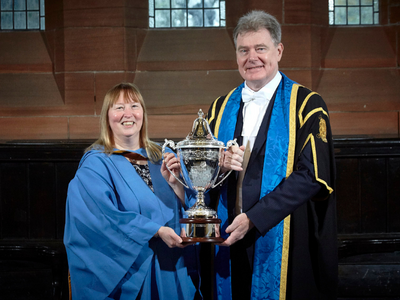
pixel 271 250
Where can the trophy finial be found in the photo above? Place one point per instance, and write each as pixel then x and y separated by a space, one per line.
pixel 201 128
pixel 200 113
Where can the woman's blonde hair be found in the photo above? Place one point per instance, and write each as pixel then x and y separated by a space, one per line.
pixel 106 139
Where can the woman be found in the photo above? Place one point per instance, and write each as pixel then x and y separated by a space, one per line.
pixel 123 210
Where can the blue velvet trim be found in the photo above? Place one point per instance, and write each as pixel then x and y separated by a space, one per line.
pixel 268 249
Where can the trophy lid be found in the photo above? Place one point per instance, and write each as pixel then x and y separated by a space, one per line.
pixel 201 135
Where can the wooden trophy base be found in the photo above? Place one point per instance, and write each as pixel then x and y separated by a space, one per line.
pixel 202 240
pixel 201 230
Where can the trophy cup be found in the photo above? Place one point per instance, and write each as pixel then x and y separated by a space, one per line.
pixel 199 156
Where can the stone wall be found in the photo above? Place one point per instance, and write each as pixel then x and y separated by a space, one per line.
pixel 53 82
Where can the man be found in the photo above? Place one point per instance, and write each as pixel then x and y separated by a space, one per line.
pixel 281 208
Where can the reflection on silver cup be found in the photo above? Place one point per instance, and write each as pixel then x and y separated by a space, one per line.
pixel 199 156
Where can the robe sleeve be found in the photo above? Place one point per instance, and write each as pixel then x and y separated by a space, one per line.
pixel 313 173
pixel 103 242
pixel 315 131
pixel 293 192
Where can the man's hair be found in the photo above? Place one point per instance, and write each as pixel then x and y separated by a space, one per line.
pixel 256 20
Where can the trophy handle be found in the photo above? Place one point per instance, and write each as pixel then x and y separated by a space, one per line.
pixel 171 144
pixel 228 145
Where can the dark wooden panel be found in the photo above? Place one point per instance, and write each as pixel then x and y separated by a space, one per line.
pixel 14 200
pixel 373 195
pixel 348 195
pixel 33 270
pixel 362 147
pixel 393 186
pixel 43 151
pixel 22 278
pixel 42 200
pixel 34 178
pixel 370 280
pixel 41 188
pixel 65 171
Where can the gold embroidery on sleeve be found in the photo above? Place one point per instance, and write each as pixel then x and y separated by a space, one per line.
pixel 322 129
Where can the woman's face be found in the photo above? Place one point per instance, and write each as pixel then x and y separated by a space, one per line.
pixel 126 119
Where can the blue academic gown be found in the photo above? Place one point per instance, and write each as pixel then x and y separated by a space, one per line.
pixel 111 218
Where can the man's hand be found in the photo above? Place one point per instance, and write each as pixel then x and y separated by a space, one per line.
pixel 232 159
pixel 238 229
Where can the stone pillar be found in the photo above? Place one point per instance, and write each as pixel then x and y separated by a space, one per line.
pixel 94 45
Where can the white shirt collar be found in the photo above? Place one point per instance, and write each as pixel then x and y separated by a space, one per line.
pixel 270 87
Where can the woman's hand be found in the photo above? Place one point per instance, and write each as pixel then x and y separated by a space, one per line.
pixel 173 164
pixel 169 237
pixel 232 159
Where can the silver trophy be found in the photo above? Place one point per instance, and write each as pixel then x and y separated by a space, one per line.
pixel 199 156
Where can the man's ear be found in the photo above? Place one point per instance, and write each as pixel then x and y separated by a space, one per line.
pixel 280 51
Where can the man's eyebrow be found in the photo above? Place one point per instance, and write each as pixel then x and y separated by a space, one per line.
pixel 256 46
pixel 261 45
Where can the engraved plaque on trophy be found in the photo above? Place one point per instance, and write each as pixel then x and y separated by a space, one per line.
pixel 199 156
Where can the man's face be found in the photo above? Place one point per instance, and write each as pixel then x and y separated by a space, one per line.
pixel 257 57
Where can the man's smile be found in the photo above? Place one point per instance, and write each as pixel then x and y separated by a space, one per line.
pixel 254 68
